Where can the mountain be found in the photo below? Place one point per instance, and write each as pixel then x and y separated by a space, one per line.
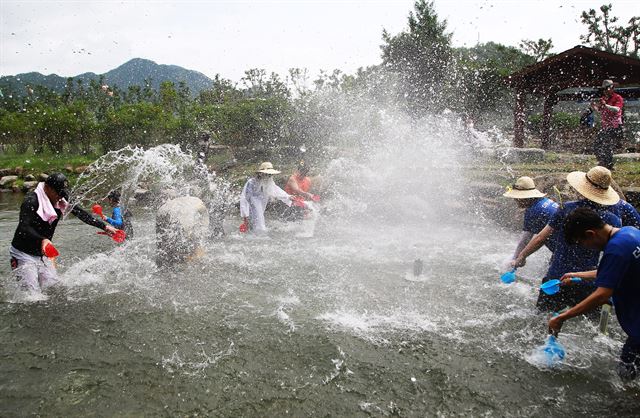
pixel 133 72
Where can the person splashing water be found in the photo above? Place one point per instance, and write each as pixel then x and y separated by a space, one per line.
pixel 256 195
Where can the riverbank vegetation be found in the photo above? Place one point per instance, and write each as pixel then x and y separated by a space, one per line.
pixel 421 73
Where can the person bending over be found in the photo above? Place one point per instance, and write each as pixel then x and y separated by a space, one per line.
pixel 617 277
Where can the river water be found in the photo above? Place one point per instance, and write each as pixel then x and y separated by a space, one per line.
pixel 319 318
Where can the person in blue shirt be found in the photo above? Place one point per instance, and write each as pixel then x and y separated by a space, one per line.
pixel 118 219
pixel 595 187
pixel 538 211
pixel 617 277
pixel 627 213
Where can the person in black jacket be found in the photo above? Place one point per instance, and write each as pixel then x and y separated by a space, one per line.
pixel 39 216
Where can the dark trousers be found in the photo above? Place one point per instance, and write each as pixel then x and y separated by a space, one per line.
pixel 606 142
pixel 629 360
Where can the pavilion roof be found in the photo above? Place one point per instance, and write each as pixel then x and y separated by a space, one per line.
pixel 579 66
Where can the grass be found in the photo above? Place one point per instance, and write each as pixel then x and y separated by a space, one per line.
pixel 44 163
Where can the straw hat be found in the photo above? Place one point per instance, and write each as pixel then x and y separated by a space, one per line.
pixel 267 168
pixel 524 188
pixel 595 185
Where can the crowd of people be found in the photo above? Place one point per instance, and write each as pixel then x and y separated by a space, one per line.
pixel 576 233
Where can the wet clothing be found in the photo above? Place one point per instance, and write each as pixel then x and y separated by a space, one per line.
pixel 627 213
pixel 538 215
pixel 297 210
pixel 610 133
pixel 121 221
pixel 571 257
pixel 254 198
pixel 619 270
pixel 611 118
pixel 32 229
pixel 32 272
pixel 304 184
pixel 629 360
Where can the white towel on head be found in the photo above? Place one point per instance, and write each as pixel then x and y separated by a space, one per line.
pixel 46 210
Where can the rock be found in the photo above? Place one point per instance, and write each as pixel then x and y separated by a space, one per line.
pixel 630 157
pixel 181 226
pixel 18 171
pixel 15 189
pixel 7 181
pixel 42 176
pixel 140 194
pixel 29 177
pixel 68 168
pixel 633 196
pixel 81 169
pixel 520 155
pixel 27 186
pixel 5 172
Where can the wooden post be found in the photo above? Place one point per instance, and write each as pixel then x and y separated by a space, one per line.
pixel 518 119
pixel 550 100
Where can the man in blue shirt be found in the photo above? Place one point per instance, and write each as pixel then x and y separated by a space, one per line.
pixel 539 210
pixel 595 187
pixel 617 276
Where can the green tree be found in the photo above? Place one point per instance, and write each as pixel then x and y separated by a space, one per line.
pixel 422 56
pixel 540 49
pixel 603 32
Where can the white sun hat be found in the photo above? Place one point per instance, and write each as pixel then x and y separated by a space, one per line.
pixel 524 188
pixel 267 168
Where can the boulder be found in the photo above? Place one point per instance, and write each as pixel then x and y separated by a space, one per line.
pixel 630 157
pixel 29 177
pixel 27 186
pixel 68 168
pixel 81 169
pixel 140 194
pixel 520 155
pixel 7 181
pixel 18 171
pixel 181 227
pixel 43 176
pixel 5 172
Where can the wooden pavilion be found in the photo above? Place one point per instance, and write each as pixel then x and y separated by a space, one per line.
pixel 580 66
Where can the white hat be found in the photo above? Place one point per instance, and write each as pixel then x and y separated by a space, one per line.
pixel 524 188
pixel 267 168
pixel 595 185
pixel 607 84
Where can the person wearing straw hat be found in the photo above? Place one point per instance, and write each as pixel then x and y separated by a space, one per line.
pixel 256 194
pixel 618 276
pixel 595 188
pixel 539 210
pixel 610 108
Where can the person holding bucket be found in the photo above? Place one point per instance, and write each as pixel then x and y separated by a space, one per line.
pixel 617 277
pixel 595 188
pixel 39 216
pixel 256 193
pixel 538 211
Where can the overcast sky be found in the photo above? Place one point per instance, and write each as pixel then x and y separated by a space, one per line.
pixel 228 37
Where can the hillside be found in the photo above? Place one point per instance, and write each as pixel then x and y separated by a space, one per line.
pixel 133 72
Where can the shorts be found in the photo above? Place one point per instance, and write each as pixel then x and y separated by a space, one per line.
pixel 629 360
pixel 32 272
